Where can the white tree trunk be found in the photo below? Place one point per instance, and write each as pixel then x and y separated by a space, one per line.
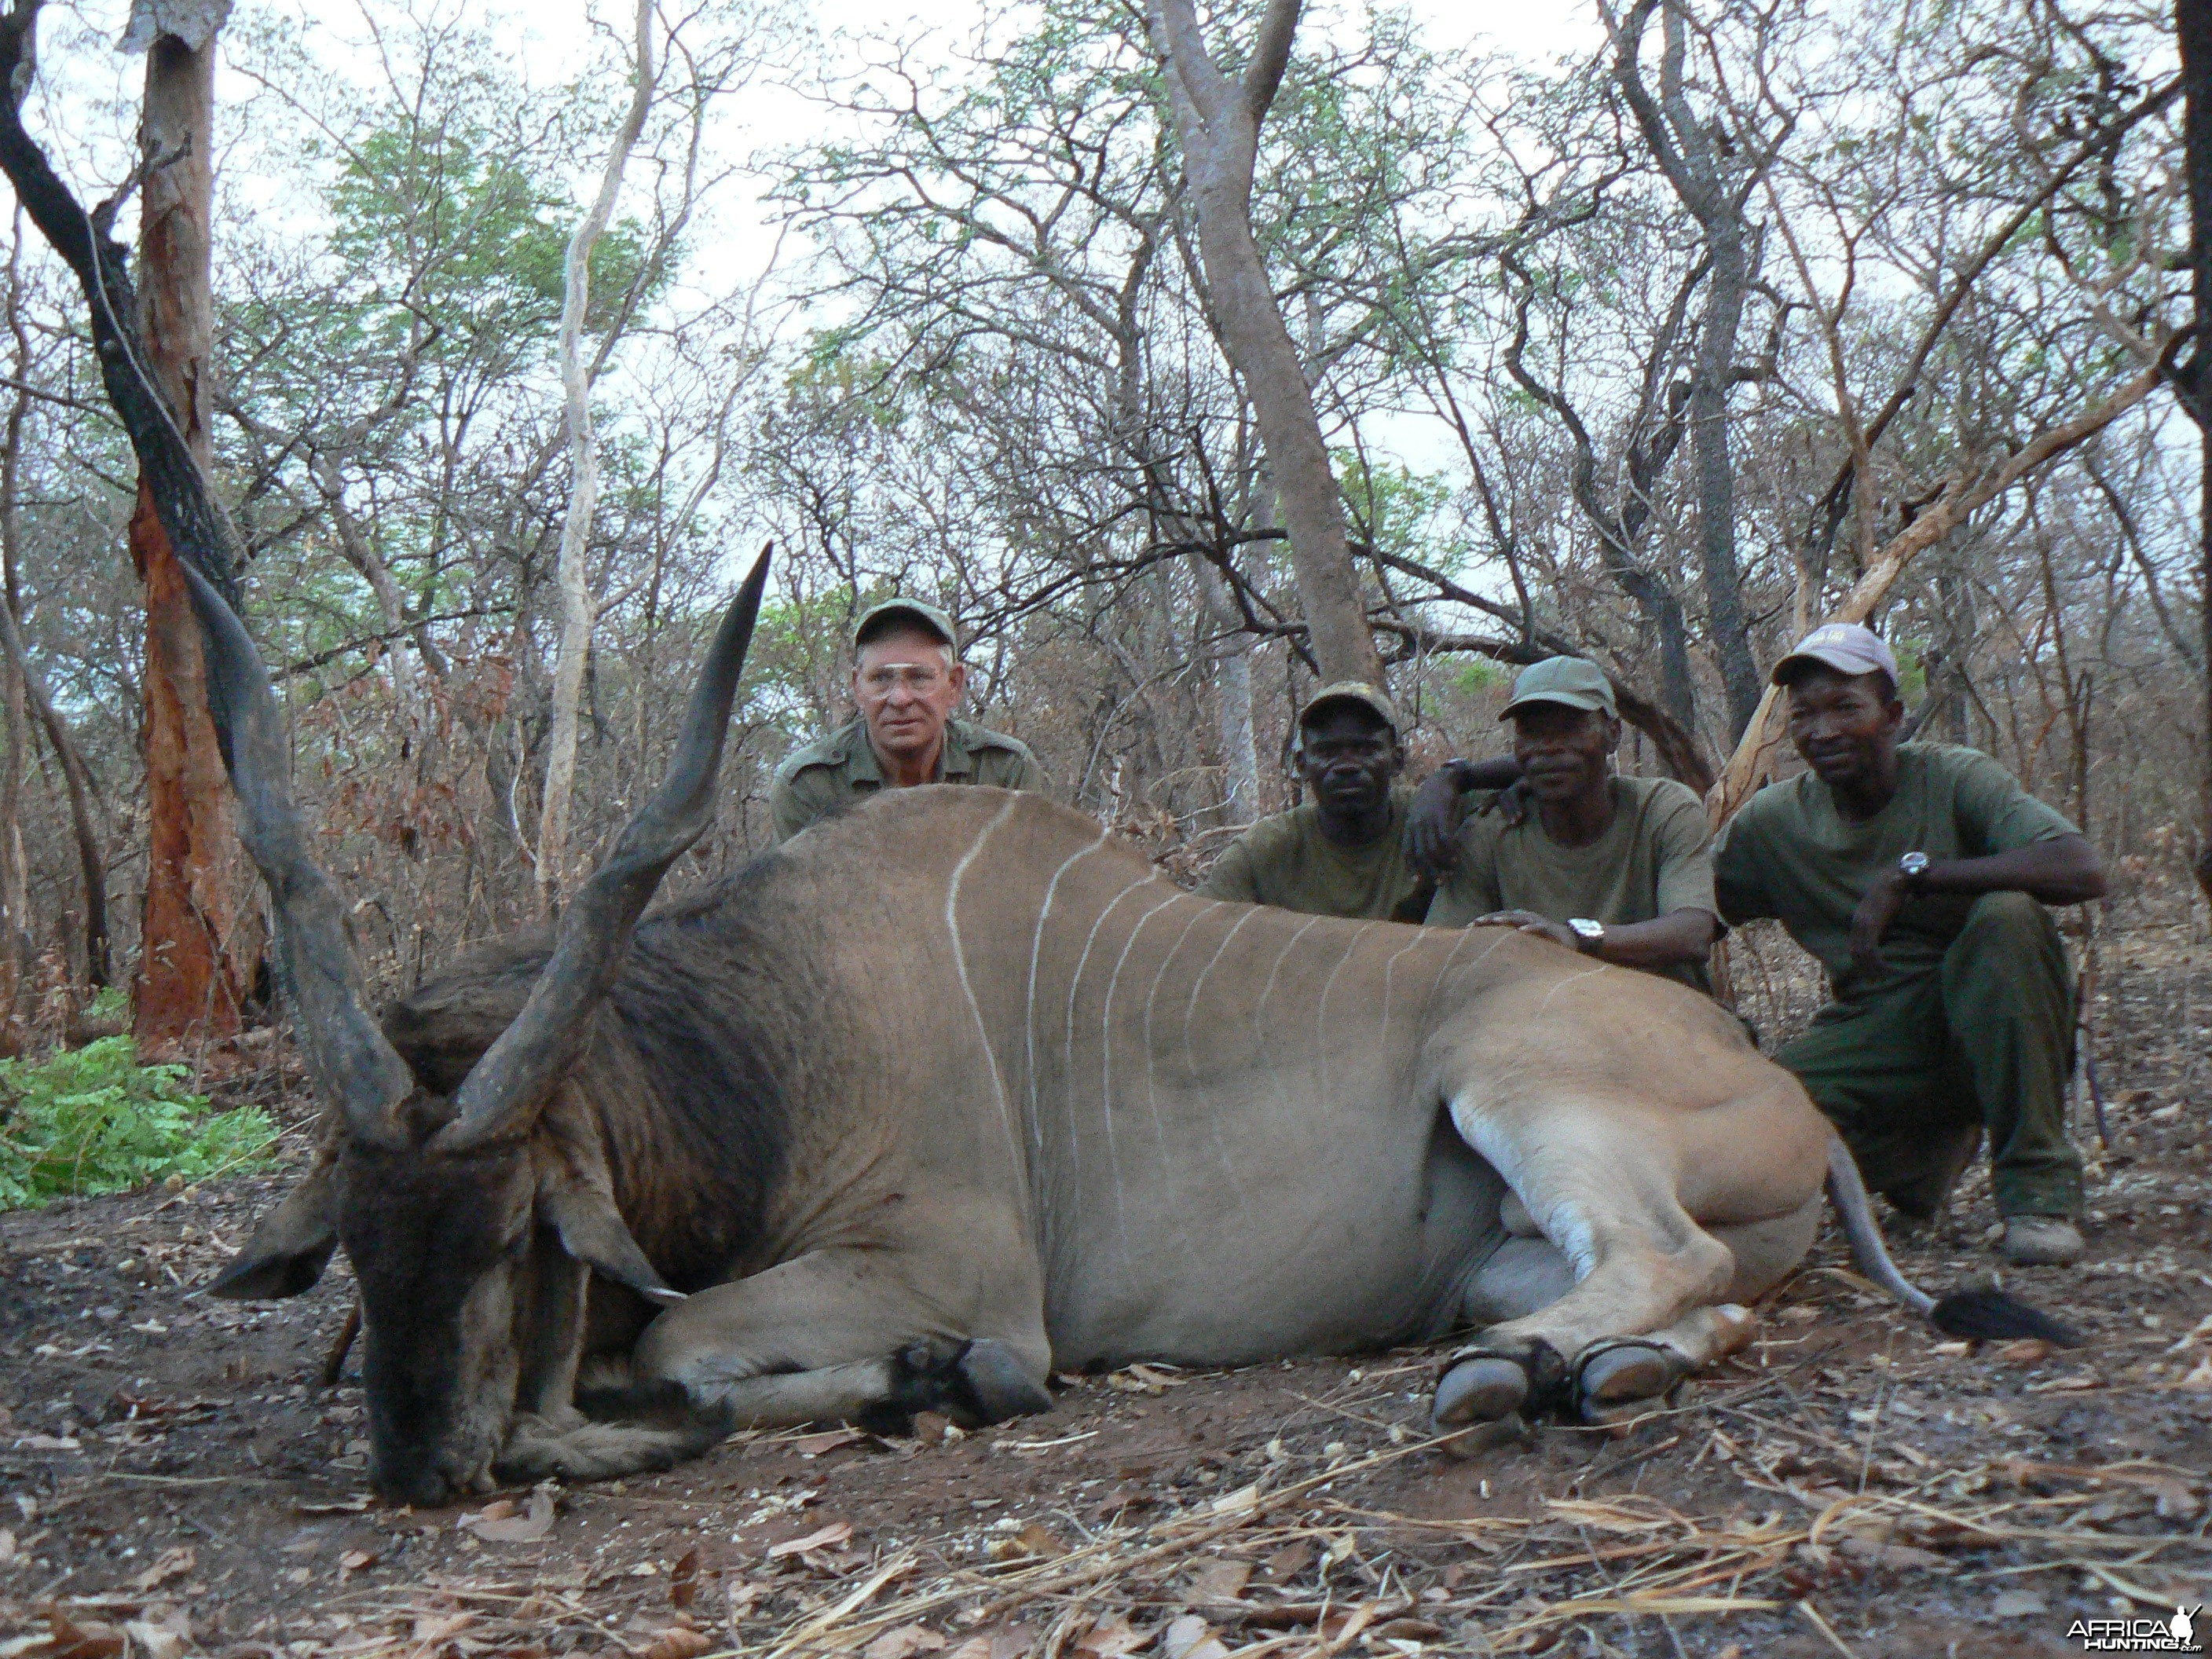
pixel 576 609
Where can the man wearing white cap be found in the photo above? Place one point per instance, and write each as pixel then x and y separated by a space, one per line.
pixel 1619 868
pixel 1918 873
pixel 907 678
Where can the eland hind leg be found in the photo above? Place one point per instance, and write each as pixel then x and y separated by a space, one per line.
pixel 1598 1178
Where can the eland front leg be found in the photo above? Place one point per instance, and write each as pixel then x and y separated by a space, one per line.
pixel 834 1336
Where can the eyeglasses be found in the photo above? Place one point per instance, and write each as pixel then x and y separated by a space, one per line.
pixel 881 682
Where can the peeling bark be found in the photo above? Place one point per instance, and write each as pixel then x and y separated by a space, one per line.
pixel 192 974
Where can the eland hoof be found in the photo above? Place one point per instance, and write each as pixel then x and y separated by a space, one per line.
pixel 1479 1390
pixel 1621 1373
pixel 998 1385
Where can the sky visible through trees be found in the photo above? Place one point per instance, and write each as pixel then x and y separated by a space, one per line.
pixel 1648 329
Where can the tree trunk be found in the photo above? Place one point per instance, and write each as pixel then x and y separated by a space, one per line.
pixel 1232 694
pixel 1218 121
pixel 1686 155
pixel 192 965
pixel 2193 21
pixel 16 948
pixel 1709 442
pixel 576 608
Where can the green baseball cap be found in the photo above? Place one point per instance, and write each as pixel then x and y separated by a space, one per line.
pixel 919 610
pixel 1575 682
pixel 1367 696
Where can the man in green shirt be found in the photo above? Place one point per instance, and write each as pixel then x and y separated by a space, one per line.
pixel 1918 873
pixel 1343 853
pixel 907 678
pixel 1618 868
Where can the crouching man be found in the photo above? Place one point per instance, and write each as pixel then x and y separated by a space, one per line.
pixel 1618 868
pixel 1918 873
pixel 1343 853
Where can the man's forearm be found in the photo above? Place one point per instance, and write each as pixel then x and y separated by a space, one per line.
pixel 1668 941
pixel 2066 871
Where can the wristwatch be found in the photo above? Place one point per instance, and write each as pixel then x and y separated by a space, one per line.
pixel 1589 936
pixel 1912 867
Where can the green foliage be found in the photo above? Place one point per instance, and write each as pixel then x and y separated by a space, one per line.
pixel 95 1121
pixel 1480 674
pixel 1911 670
pixel 479 232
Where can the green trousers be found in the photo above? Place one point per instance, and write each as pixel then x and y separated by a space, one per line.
pixel 1913 1075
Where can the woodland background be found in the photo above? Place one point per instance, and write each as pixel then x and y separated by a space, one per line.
pixel 1652 353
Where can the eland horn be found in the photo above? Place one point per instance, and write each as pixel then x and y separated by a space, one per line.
pixel 500 1097
pixel 354 1069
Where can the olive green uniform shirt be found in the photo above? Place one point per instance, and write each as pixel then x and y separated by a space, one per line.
pixel 843 767
pixel 1287 861
pixel 1654 857
pixel 1789 855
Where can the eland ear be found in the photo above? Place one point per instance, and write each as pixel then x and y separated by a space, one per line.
pixel 591 1231
pixel 289 1250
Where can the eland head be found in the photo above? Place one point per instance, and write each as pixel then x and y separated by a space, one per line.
pixel 472 1218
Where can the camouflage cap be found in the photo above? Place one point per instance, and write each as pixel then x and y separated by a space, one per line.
pixel 1847 647
pixel 1573 682
pixel 1367 696
pixel 884 611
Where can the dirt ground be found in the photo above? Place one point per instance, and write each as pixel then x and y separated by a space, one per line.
pixel 178 1479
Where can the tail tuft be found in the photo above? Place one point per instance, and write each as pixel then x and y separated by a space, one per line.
pixel 1993 1316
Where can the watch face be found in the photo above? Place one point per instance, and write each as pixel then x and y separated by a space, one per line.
pixel 1585 929
pixel 1913 862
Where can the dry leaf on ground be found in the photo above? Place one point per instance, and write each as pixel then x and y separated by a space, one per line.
pixel 163 1633
pixel 836 1532
pixel 67 1639
pixel 684 1580
pixel 1220 1580
pixel 676 1644
pixel 504 1526
pixel 904 1642
pixel 1034 1541
pixel 1111 1638
pixel 169 1566
pixel 1191 1637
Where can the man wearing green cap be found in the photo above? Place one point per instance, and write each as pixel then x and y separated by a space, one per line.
pixel 1618 868
pixel 1342 852
pixel 1918 873
pixel 907 678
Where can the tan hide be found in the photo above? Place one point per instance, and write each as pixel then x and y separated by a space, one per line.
pixel 1062 1104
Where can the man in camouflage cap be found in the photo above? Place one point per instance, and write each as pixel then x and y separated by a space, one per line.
pixel 1618 868
pixel 1341 854
pixel 907 678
